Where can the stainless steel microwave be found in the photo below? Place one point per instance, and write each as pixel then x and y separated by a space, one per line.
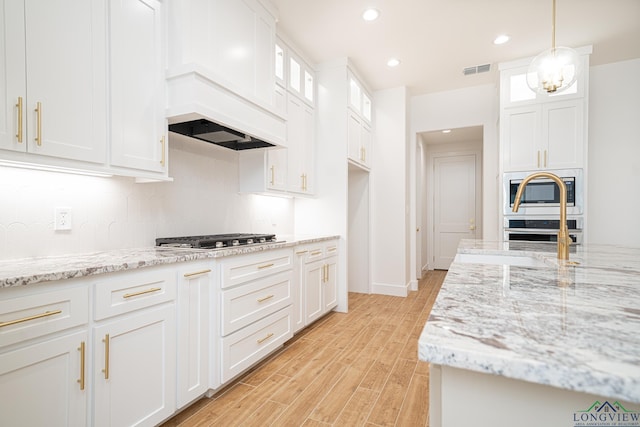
pixel 542 196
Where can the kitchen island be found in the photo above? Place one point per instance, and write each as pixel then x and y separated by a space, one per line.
pixel 518 337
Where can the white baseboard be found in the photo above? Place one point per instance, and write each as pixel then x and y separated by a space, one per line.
pixel 388 289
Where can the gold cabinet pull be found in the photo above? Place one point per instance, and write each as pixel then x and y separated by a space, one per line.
pixel 316 252
pixel 538 158
pixel 106 357
pixel 305 182
pixel 19 107
pixel 545 158
pixel 301 252
pixel 39 123
pixel 364 154
pixel 147 291
pixel 261 340
pixel 265 298
pixel 302 182
pixel 196 273
pixel 26 319
pixel 82 351
pixel 163 156
pixel 272 175
pixel 260 267
pixel 332 249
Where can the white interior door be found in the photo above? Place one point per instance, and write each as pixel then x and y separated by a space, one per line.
pixel 455 205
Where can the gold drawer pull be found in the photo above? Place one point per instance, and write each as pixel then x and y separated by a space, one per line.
pixel 163 155
pixel 135 294
pixel 332 249
pixel 265 298
pixel 106 357
pixel 261 340
pixel 81 349
pixel 197 273
pixel 301 252
pixel 38 111
pixel 316 252
pixel 26 319
pixel 19 107
pixel 260 267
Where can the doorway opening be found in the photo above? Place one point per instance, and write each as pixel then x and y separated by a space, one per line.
pixel 449 194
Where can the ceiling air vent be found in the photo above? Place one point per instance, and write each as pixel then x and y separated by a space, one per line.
pixel 477 69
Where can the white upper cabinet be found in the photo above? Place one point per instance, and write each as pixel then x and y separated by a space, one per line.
pixel 542 131
pixel 137 63
pixel 53 72
pixel 359 118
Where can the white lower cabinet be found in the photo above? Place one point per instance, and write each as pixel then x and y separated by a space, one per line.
pixel 255 303
pixel 43 355
pixel 40 383
pixel 134 346
pixel 320 285
pixel 194 325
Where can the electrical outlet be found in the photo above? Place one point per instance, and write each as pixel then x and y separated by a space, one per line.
pixel 62 220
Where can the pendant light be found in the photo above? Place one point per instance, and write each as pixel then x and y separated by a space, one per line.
pixel 555 69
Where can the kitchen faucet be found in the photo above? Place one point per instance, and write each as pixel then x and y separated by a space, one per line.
pixel 563 233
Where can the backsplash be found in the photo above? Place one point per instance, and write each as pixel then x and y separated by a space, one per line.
pixel 112 213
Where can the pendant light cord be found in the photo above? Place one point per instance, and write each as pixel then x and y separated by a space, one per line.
pixel 553 27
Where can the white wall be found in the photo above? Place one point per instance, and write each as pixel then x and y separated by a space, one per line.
pixel 613 174
pixel 473 106
pixel 112 213
pixel 390 198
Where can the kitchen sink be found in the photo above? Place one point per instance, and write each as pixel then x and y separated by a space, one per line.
pixel 522 261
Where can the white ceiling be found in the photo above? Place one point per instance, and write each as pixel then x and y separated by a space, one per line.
pixel 436 39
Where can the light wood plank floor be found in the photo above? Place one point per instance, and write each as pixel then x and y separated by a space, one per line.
pixel 348 369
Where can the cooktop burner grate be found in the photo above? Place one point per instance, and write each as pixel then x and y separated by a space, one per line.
pixel 215 240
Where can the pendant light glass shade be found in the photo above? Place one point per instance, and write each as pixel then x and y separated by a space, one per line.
pixel 554 70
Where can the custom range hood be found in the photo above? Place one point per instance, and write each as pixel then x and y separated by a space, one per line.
pixel 200 106
pixel 215 133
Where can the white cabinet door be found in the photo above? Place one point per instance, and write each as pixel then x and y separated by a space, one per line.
pixel 41 384
pixel 359 140
pixel 563 134
pixel 330 284
pixel 314 273
pixel 354 136
pixel 64 111
pixel 194 325
pixel 521 129
pixel 547 136
pixel 12 76
pixel 138 124
pixel 134 368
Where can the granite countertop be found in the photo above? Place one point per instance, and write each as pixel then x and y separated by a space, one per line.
pixel 28 271
pixel 575 327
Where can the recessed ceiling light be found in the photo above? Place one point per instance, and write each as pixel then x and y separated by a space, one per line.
pixel 501 39
pixel 446 131
pixel 393 62
pixel 370 14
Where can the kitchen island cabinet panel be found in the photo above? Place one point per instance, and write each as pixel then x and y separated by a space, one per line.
pixel 42 384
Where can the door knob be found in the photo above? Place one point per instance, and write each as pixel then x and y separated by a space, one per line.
pixel 472 227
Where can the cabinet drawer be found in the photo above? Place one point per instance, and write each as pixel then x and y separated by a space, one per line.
pixel 321 250
pixel 242 349
pixel 244 268
pixel 132 290
pixel 35 315
pixel 245 304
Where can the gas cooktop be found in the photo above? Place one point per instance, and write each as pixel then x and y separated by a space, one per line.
pixel 215 240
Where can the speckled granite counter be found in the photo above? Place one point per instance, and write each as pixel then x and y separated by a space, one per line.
pixel 21 272
pixel 576 327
